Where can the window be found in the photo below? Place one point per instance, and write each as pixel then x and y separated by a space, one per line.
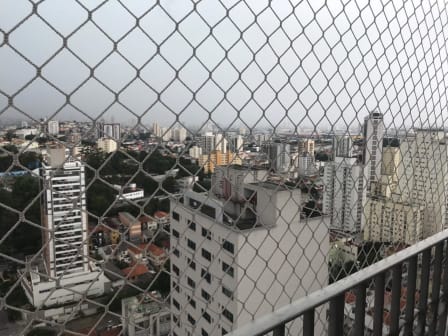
pixel 207 317
pixel 175 216
pixel 176 304
pixel 175 233
pixel 228 246
pixel 176 252
pixel 205 295
pixel 206 233
pixel 206 254
pixel 204 333
pixel 191 283
pixel 193 303
pixel 192 225
pixel 176 270
pixel 223 331
pixel 227 269
pixel 191 319
pixel 176 287
pixel 192 264
pixel 227 292
pixel 206 275
pixel 191 244
pixel 228 315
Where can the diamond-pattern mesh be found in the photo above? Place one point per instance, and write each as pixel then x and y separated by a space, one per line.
pixel 220 159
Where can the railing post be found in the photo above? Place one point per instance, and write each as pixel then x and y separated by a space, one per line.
pixel 395 303
pixel 379 305
pixel 360 309
pixel 279 330
pixel 308 323
pixel 444 313
pixel 424 286
pixel 336 325
pixel 410 297
pixel 435 295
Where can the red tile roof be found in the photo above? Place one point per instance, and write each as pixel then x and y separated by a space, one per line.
pixel 135 271
pixel 160 214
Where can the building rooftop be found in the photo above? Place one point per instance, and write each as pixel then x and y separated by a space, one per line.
pixel 135 271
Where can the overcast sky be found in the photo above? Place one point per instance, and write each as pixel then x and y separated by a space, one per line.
pixel 236 61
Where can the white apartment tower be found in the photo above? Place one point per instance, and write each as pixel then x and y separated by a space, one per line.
pixel 65 214
pixel 65 256
pixel 342 146
pixel 111 131
pixel 423 176
pixel 239 253
pixel 180 134
pixel 279 156
pixel 53 127
pixel 207 143
pixel 156 130
pixel 344 194
pixel 373 147
pixel 220 143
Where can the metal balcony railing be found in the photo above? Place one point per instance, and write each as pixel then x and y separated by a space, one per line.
pixel 410 292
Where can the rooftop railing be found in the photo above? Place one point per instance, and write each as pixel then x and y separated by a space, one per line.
pixel 414 281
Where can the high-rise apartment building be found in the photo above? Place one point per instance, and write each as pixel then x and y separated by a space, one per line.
pixel 423 176
pixel 64 273
pixel 236 143
pixel 53 127
pixel 111 131
pixel 242 253
pixel 344 194
pixel 373 134
pixel 207 142
pixel 305 164
pixel 180 134
pixel 342 146
pixel 166 133
pixel 279 156
pixel 107 145
pixel 195 152
pixel 306 146
pixel 389 220
pixel 156 130
pixel 221 143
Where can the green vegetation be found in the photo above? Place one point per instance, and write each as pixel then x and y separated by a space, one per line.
pixel 134 167
pixel 25 237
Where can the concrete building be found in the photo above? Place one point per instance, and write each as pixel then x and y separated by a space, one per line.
pixel 23 132
pixel 373 133
pixel 217 158
pixel 306 146
pixel 53 127
pixel 107 145
pixel 64 273
pixel 392 221
pixel 166 134
pixel 279 156
pixel 306 164
pixel 207 143
pixel 145 315
pixel 195 152
pixel 129 193
pixel 111 131
pixel 180 134
pixel 344 194
pixel 156 130
pixel 233 260
pixel 236 144
pixel 342 146
pixel 423 176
